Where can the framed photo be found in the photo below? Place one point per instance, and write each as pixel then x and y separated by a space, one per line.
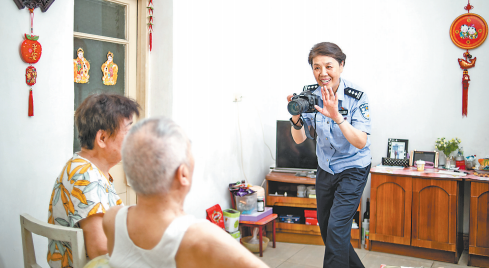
pixel 428 156
pixel 397 148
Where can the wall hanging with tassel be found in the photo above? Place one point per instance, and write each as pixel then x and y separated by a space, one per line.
pixel 467 31
pixel 150 24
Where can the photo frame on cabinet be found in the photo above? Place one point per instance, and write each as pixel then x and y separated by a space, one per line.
pixel 397 148
pixel 428 156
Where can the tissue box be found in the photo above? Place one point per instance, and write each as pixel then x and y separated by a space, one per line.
pixel 256 216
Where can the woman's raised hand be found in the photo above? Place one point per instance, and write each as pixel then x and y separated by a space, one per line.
pixel 330 103
pixel 289 98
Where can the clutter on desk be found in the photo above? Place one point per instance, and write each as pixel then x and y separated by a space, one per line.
pixel 214 215
pixel 243 197
pixel 231 220
pixel 311 217
pixel 289 218
pixel 420 165
pixel 483 169
pixel 470 162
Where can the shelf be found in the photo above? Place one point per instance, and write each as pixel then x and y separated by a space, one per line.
pixel 283 201
pixel 297 228
pixel 290 178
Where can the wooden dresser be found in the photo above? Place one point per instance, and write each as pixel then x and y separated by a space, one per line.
pixel 420 214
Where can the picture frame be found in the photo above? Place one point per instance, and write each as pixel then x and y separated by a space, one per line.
pixel 397 148
pixel 427 156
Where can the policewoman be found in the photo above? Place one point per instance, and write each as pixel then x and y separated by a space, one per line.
pixel 342 124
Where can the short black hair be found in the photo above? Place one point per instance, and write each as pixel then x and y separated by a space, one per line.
pixel 102 112
pixel 327 49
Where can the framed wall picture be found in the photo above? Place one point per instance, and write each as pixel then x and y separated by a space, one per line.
pixel 397 148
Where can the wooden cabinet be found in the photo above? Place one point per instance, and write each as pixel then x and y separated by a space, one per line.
pixel 434 214
pixel 415 215
pixel 479 224
pixel 390 209
pixel 291 204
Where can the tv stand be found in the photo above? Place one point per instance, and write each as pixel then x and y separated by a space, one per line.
pixel 291 204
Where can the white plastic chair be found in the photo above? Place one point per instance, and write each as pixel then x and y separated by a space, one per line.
pixel 31 225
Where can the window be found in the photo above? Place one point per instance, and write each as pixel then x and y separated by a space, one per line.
pixel 101 27
pixel 118 26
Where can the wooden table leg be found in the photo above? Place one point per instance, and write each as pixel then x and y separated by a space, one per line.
pixel 273 224
pixel 261 241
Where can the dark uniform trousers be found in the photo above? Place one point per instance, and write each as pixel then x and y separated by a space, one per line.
pixel 338 196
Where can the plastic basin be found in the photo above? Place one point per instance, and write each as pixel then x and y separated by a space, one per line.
pixel 254 247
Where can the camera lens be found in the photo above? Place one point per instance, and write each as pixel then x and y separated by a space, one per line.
pixel 297 106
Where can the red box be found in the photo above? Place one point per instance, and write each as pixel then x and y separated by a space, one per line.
pixel 311 214
pixel 311 221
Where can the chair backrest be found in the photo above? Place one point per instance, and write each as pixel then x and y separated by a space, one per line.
pixel 31 225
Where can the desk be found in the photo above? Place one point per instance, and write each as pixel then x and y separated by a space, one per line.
pixel 263 222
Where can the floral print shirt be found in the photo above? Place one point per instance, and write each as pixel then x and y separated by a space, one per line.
pixel 81 190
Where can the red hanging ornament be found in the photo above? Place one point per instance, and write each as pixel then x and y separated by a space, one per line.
pixel 30 75
pixel 31 104
pixel 31 49
pixel 468 31
pixel 150 24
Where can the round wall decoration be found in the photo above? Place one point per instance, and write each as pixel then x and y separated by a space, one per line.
pixel 468 31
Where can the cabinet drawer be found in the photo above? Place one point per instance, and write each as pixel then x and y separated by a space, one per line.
pixel 291 202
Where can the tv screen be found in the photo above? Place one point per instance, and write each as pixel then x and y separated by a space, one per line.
pixel 292 155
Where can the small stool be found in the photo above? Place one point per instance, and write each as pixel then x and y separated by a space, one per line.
pixel 263 222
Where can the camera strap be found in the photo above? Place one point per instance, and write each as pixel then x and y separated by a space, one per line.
pixel 307 130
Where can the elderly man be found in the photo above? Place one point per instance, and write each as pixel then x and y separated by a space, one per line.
pixel 84 191
pixel 156 232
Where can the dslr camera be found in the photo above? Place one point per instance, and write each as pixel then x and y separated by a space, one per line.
pixel 303 103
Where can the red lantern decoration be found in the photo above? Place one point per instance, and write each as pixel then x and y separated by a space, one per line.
pixel 31 49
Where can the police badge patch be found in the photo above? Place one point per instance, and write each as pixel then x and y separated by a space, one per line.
pixel 364 110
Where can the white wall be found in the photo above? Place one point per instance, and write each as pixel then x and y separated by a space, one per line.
pixel 398 51
pixel 33 149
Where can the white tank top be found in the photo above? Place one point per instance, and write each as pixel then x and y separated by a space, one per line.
pixel 127 254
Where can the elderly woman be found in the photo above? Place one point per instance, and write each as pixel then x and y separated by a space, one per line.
pixel 83 190
pixel 156 232
pixel 342 124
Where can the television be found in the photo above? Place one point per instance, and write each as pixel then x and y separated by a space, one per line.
pixel 291 156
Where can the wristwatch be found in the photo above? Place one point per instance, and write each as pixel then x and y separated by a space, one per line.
pixel 294 124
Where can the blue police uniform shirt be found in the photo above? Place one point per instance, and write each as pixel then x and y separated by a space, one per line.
pixel 335 154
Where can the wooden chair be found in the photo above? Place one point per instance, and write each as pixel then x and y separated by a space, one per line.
pixel 31 225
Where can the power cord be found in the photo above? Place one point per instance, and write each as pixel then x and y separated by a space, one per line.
pixel 241 143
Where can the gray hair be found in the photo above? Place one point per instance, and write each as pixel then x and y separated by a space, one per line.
pixel 152 151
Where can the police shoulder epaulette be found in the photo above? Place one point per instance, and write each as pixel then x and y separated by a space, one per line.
pixel 310 87
pixel 357 94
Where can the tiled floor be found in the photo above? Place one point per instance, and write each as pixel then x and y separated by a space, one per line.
pixel 289 255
